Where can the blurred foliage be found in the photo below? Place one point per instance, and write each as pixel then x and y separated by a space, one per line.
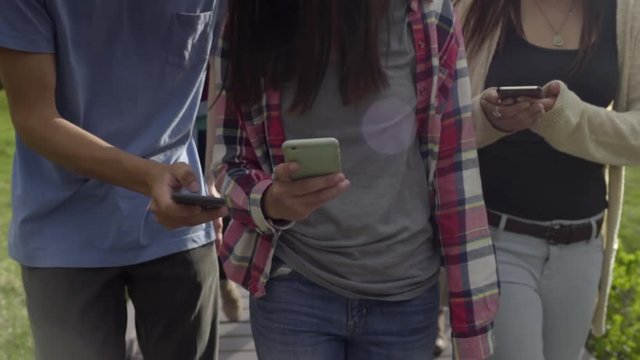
pixel 622 340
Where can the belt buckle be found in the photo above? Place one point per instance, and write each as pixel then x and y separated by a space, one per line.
pixel 552 231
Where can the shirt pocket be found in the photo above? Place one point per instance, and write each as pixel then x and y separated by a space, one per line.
pixel 190 38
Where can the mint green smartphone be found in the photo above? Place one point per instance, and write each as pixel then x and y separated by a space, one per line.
pixel 316 157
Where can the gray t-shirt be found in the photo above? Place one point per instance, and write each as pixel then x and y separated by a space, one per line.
pixel 374 241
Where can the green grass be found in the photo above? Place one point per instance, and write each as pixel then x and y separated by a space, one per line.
pixel 630 228
pixel 15 336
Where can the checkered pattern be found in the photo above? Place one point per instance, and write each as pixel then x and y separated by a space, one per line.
pixel 248 147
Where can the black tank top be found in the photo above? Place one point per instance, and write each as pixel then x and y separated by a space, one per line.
pixel 522 174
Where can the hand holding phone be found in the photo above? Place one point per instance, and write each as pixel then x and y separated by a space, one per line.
pixel 506 114
pixel 204 201
pixel 310 177
pixel 166 179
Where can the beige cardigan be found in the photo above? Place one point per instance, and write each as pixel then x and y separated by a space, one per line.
pixel 586 131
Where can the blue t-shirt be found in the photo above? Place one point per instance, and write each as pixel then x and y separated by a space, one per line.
pixel 130 72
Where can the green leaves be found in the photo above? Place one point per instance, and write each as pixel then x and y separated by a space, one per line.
pixel 622 340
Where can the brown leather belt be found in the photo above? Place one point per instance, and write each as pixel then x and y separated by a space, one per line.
pixel 553 234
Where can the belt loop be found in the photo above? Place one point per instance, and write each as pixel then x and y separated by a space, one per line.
pixel 594 229
pixel 503 222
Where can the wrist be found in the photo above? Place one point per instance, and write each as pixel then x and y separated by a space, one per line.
pixel 493 125
pixel 210 181
pixel 257 201
pixel 265 204
pixel 152 172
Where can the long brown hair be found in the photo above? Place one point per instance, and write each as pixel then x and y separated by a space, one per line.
pixel 484 17
pixel 271 42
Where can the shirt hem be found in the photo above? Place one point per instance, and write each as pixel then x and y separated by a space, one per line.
pixel 138 256
pixel 403 296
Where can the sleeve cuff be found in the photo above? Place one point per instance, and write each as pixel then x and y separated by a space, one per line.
pixel 264 225
pixel 562 105
pixel 475 347
pixel 32 44
pixel 561 120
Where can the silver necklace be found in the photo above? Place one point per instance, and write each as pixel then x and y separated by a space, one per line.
pixel 558 39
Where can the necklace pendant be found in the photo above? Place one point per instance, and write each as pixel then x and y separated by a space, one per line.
pixel 558 41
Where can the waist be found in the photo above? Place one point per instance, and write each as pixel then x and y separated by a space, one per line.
pixel 396 270
pixel 558 185
pixel 554 232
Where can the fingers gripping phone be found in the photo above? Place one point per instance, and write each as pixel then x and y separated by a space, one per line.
pixel 204 201
pixel 514 92
pixel 316 157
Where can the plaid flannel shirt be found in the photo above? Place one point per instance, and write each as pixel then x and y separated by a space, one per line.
pixel 248 147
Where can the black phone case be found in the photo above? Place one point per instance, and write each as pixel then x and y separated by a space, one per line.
pixel 206 202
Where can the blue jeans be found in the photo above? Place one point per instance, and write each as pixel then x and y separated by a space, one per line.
pixel 298 319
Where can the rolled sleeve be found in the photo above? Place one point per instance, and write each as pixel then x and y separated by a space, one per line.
pixel 26 25
pixel 479 346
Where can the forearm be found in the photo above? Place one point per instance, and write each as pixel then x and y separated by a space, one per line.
pixel 67 145
pixel 236 165
pixel 241 175
pixel 590 132
pixel 30 82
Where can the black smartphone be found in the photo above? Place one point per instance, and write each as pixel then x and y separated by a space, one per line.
pixel 206 202
pixel 514 92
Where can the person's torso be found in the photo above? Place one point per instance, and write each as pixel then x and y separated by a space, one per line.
pixel 374 240
pixel 522 174
pixel 132 74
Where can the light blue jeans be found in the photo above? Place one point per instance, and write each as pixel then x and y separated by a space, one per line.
pixel 548 295
pixel 299 320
